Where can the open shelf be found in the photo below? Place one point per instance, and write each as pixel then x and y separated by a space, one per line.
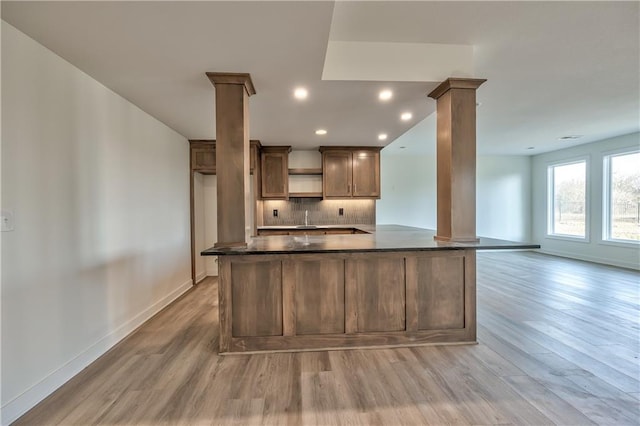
pixel 305 195
pixel 301 171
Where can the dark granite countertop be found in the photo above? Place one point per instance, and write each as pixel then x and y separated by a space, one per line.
pixel 380 238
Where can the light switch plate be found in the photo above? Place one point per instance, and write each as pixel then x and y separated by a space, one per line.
pixel 6 220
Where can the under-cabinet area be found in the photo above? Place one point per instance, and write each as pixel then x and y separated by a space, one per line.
pixel 309 230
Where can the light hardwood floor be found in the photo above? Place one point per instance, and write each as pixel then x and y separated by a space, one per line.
pixel 558 343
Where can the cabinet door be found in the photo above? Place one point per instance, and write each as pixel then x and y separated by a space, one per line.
pixel 336 171
pixel 275 179
pixel 375 294
pixel 203 159
pixel 366 174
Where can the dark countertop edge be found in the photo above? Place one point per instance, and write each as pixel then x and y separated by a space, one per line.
pixel 247 252
pixel 378 233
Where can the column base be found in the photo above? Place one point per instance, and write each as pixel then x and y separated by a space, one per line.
pixel 457 239
pixel 223 245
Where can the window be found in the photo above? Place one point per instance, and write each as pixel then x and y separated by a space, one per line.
pixel 567 192
pixel 622 197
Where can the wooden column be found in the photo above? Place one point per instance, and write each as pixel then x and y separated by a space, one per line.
pixel 232 155
pixel 456 156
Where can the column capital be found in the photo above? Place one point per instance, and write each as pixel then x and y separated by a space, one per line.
pixel 456 83
pixel 233 78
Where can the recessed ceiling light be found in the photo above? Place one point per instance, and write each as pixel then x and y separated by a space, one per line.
pixel 402 147
pixel 569 137
pixel 406 116
pixel 531 147
pixel 385 95
pixel 321 132
pixel 300 93
pixel 382 137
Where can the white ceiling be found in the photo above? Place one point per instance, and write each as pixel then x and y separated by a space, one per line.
pixel 553 68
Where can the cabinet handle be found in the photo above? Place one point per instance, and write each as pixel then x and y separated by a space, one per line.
pixel 354 188
pixel 348 189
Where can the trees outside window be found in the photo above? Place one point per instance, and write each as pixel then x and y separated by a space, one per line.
pixel 622 197
pixel 567 199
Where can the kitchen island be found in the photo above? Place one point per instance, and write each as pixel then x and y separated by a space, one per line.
pixel 388 285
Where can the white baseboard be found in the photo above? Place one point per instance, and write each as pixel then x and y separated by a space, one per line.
pixel 15 408
pixel 612 262
pixel 201 276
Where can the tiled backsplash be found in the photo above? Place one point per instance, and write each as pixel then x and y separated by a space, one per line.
pixel 321 212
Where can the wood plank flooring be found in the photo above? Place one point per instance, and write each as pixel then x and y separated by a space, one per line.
pixel 558 344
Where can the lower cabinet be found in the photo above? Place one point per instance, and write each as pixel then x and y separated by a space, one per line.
pixel 318 295
pixel 376 294
pixel 257 298
pixel 307 301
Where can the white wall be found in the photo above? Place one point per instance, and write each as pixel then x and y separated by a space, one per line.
pixel 199 224
pixel 503 194
pixel 503 197
pixel 594 249
pixel 206 223
pixel 210 210
pixel 408 190
pixel 1 399
pixel 101 197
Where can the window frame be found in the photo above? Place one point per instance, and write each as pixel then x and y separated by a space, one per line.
pixel 606 197
pixel 586 159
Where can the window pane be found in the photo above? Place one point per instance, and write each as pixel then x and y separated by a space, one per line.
pixel 625 197
pixel 569 204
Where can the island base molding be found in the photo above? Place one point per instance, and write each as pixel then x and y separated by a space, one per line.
pixel 347 300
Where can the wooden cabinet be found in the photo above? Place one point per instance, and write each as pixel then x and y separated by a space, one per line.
pixel 275 172
pixel 203 156
pixel 350 172
pixel 366 174
pixel 337 171
pixel 306 300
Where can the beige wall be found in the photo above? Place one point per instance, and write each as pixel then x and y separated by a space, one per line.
pixel 100 192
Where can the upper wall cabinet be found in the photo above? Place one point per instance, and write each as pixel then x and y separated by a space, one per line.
pixel 203 156
pixel 350 172
pixel 275 172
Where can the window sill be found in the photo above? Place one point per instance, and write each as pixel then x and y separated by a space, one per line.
pixel 620 243
pixel 568 238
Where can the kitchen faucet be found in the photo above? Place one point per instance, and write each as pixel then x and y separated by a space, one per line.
pixel 306 218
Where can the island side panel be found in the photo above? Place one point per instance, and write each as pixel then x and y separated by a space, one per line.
pixel 411 293
pixel 319 294
pixel 224 302
pixel 379 281
pixel 441 291
pixel 470 301
pixel 256 294
pixel 345 300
